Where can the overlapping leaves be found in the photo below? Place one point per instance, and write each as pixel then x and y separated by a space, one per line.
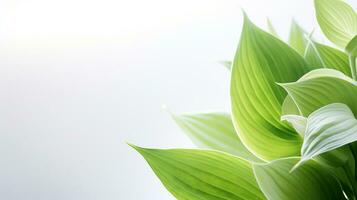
pixel 214 131
pixel 337 20
pixel 311 181
pixel 260 62
pixel 292 129
pixel 326 129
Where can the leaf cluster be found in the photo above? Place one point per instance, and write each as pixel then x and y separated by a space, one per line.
pixel 292 130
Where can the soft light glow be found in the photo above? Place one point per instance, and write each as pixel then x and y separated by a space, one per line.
pixel 42 20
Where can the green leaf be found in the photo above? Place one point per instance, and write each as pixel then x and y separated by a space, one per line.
pixel 291 114
pixel 312 55
pixel 321 87
pixel 337 20
pixel 351 47
pixel 327 129
pixel 227 64
pixel 353 149
pixel 203 174
pixel 332 160
pixel 297 38
pixel 344 173
pixel 261 61
pixel 289 107
pixel 214 131
pixel 311 181
pixel 336 158
pixel 320 55
pixel 341 163
pixel 271 29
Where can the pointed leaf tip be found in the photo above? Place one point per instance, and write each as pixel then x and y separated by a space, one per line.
pixel 225 63
pixel 351 47
pixel 256 114
pixel 140 150
pixel 328 129
pixel 271 28
pixel 244 14
pixel 203 174
pixel 297 37
pixel 322 87
pixel 247 21
pixel 285 85
pixel 337 20
pixel 133 146
pixel 167 110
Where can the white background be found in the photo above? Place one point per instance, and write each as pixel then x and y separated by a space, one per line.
pixel 79 78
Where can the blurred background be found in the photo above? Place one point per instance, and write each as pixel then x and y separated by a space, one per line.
pixel 80 78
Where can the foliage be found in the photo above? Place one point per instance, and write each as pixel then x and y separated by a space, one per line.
pixel 292 130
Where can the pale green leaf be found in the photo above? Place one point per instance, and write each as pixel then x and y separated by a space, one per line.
pixel 203 174
pixel 327 129
pixel 309 182
pixel 323 56
pixel 214 131
pixel 271 28
pixel 321 87
pixel 291 114
pixel 261 61
pixel 312 55
pixel 337 20
pixel 296 121
pixel 297 38
pixel 332 159
pixel 289 107
pixel 351 47
pixel 227 64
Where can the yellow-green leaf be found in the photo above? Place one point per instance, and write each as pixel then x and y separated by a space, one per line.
pixel 227 64
pixel 319 55
pixel 297 38
pixel 327 129
pixel 351 47
pixel 261 61
pixel 309 182
pixel 203 174
pixel 337 20
pixel 214 131
pixel 321 87
pixel 271 29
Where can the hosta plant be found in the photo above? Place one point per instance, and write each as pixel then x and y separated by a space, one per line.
pixel 292 130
